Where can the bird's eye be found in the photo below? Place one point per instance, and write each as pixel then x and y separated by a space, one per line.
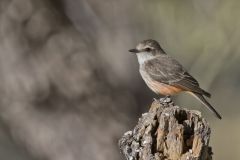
pixel 148 49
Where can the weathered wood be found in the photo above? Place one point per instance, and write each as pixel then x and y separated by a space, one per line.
pixel 168 132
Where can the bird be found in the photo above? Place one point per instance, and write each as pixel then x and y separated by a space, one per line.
pixel 165 75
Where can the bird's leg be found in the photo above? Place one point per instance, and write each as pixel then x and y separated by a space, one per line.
pixel 167 96
pixel 165 99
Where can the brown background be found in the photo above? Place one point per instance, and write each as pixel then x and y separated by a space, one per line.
pixel 69 88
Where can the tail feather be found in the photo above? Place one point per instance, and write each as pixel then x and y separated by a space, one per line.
pixel 206 94
pixel 208 105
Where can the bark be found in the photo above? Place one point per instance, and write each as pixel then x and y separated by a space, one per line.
pixel 168 132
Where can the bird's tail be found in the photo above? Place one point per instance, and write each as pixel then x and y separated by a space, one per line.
pixel 205 93
pixel 205 102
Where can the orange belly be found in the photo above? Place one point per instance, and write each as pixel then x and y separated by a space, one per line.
pixel 163 89
pixel 158 87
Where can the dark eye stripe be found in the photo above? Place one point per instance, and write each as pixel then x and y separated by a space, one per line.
pixel 148 49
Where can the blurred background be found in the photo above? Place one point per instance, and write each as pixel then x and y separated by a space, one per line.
pixel 69 88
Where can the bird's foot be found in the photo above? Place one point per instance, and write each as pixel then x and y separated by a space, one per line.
pixel 164 102
pixel 166 99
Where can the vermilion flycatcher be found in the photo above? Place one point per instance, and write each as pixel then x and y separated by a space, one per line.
pixel 165 75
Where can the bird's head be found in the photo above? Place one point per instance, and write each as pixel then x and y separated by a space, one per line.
pixel 147 50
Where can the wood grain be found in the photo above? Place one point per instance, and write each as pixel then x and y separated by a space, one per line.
pixel 168 132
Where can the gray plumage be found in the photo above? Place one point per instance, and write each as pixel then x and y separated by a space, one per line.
pixel 167 70
pixel 161 71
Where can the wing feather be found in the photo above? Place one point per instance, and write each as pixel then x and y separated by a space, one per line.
pixel 167 70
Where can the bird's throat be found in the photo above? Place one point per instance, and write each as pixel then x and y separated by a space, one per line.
pixel 143 57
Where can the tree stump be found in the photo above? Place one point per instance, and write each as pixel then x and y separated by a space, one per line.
pixel 168 132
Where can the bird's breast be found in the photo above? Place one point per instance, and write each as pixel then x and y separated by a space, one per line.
pixel 158 87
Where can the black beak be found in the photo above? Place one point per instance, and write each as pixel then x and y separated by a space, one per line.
pixel 134 50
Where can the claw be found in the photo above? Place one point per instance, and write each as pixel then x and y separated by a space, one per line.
pixel 166 99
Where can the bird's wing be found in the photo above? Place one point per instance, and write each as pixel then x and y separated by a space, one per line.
pixel 167 70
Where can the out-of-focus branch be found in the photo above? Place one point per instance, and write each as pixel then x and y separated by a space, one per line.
pixel 168 132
